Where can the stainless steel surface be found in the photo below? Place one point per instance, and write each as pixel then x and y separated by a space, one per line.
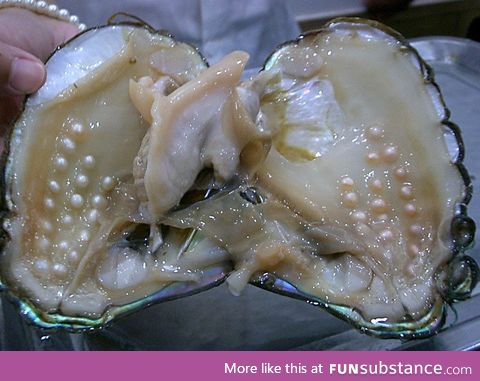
pixel 260 320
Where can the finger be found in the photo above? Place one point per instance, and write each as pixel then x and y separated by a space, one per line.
pixel 20 72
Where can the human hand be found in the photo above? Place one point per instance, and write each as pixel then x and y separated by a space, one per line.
pixel 26 41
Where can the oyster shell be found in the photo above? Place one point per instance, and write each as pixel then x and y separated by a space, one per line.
pixel 78 250
pixel 138 174
pixel 376 181
pixel 358 204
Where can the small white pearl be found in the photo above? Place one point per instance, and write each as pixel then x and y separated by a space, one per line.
pixel 63 245
pixel 108 183
pixel 79 132
pixel 401 173
pixel 375 133
pixel 390 154
pixel 76 201
pixel 49 203
pixel 67 219
pixel 376 184
pixel 82 181
pixel 99 202
pixel 416 230
pixel 73 257
pixel 68 145
pixel 410 210
pixel 60 163
pixel 41 267
pixel 54 186
pixel 42 244
pixel 64 13
pixel 89 161
pixel 378 205
pixel 46 226
pixel 60 271
pixel 84 235
pixel 93 215
pixel 350 199
pixel 52 8
pixel 406 192
pixel 41 4
pixel 359 216
pixel 373 158
pixel 74 19
pixel 386 235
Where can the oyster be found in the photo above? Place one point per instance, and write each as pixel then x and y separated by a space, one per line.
pixel 359 205
pixel 78 250
pixel 138 174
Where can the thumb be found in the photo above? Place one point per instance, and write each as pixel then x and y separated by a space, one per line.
pixel 20 72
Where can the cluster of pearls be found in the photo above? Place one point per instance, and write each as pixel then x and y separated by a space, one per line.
pixel 74 200
pixel 44 9
pixel 369 209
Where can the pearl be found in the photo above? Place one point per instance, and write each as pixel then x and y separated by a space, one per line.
pixel 67 219
pixel 52 8
pixel 406 192
pixel 390 154
pixel 108 183
pixel 63 245
pixel 76 201
pixel 68 145
pixel 375 133
pixel 78 131
pixel 400 173
pixel 373 157
pixel 60 270
pixel 363 229
pixel 89 161
pixel 73 257
pixel 41 267
pixel 84 235
pixel 42 244
pixel 350 199
pixel 99 202
pixel 93 215
pixel 386 235
pixel 82 181
pixel 378 205
pixel 46 226
pixel 410 210
pixel 347 183
pixel 60 163
pixel 416 230
pixel 376 185
pixel 54 186
pixel 359 216
pixel 49 203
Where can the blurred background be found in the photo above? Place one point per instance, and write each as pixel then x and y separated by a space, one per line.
pixel 458 18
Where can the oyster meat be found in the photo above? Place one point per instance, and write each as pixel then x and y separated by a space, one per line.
pixel 334 176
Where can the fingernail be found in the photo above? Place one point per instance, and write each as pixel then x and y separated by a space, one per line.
pixel 26 76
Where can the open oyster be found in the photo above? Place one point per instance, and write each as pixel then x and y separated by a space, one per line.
pixel 79 251
pixel 138 174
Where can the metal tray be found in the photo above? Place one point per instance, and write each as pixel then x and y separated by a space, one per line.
pixel 261 320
